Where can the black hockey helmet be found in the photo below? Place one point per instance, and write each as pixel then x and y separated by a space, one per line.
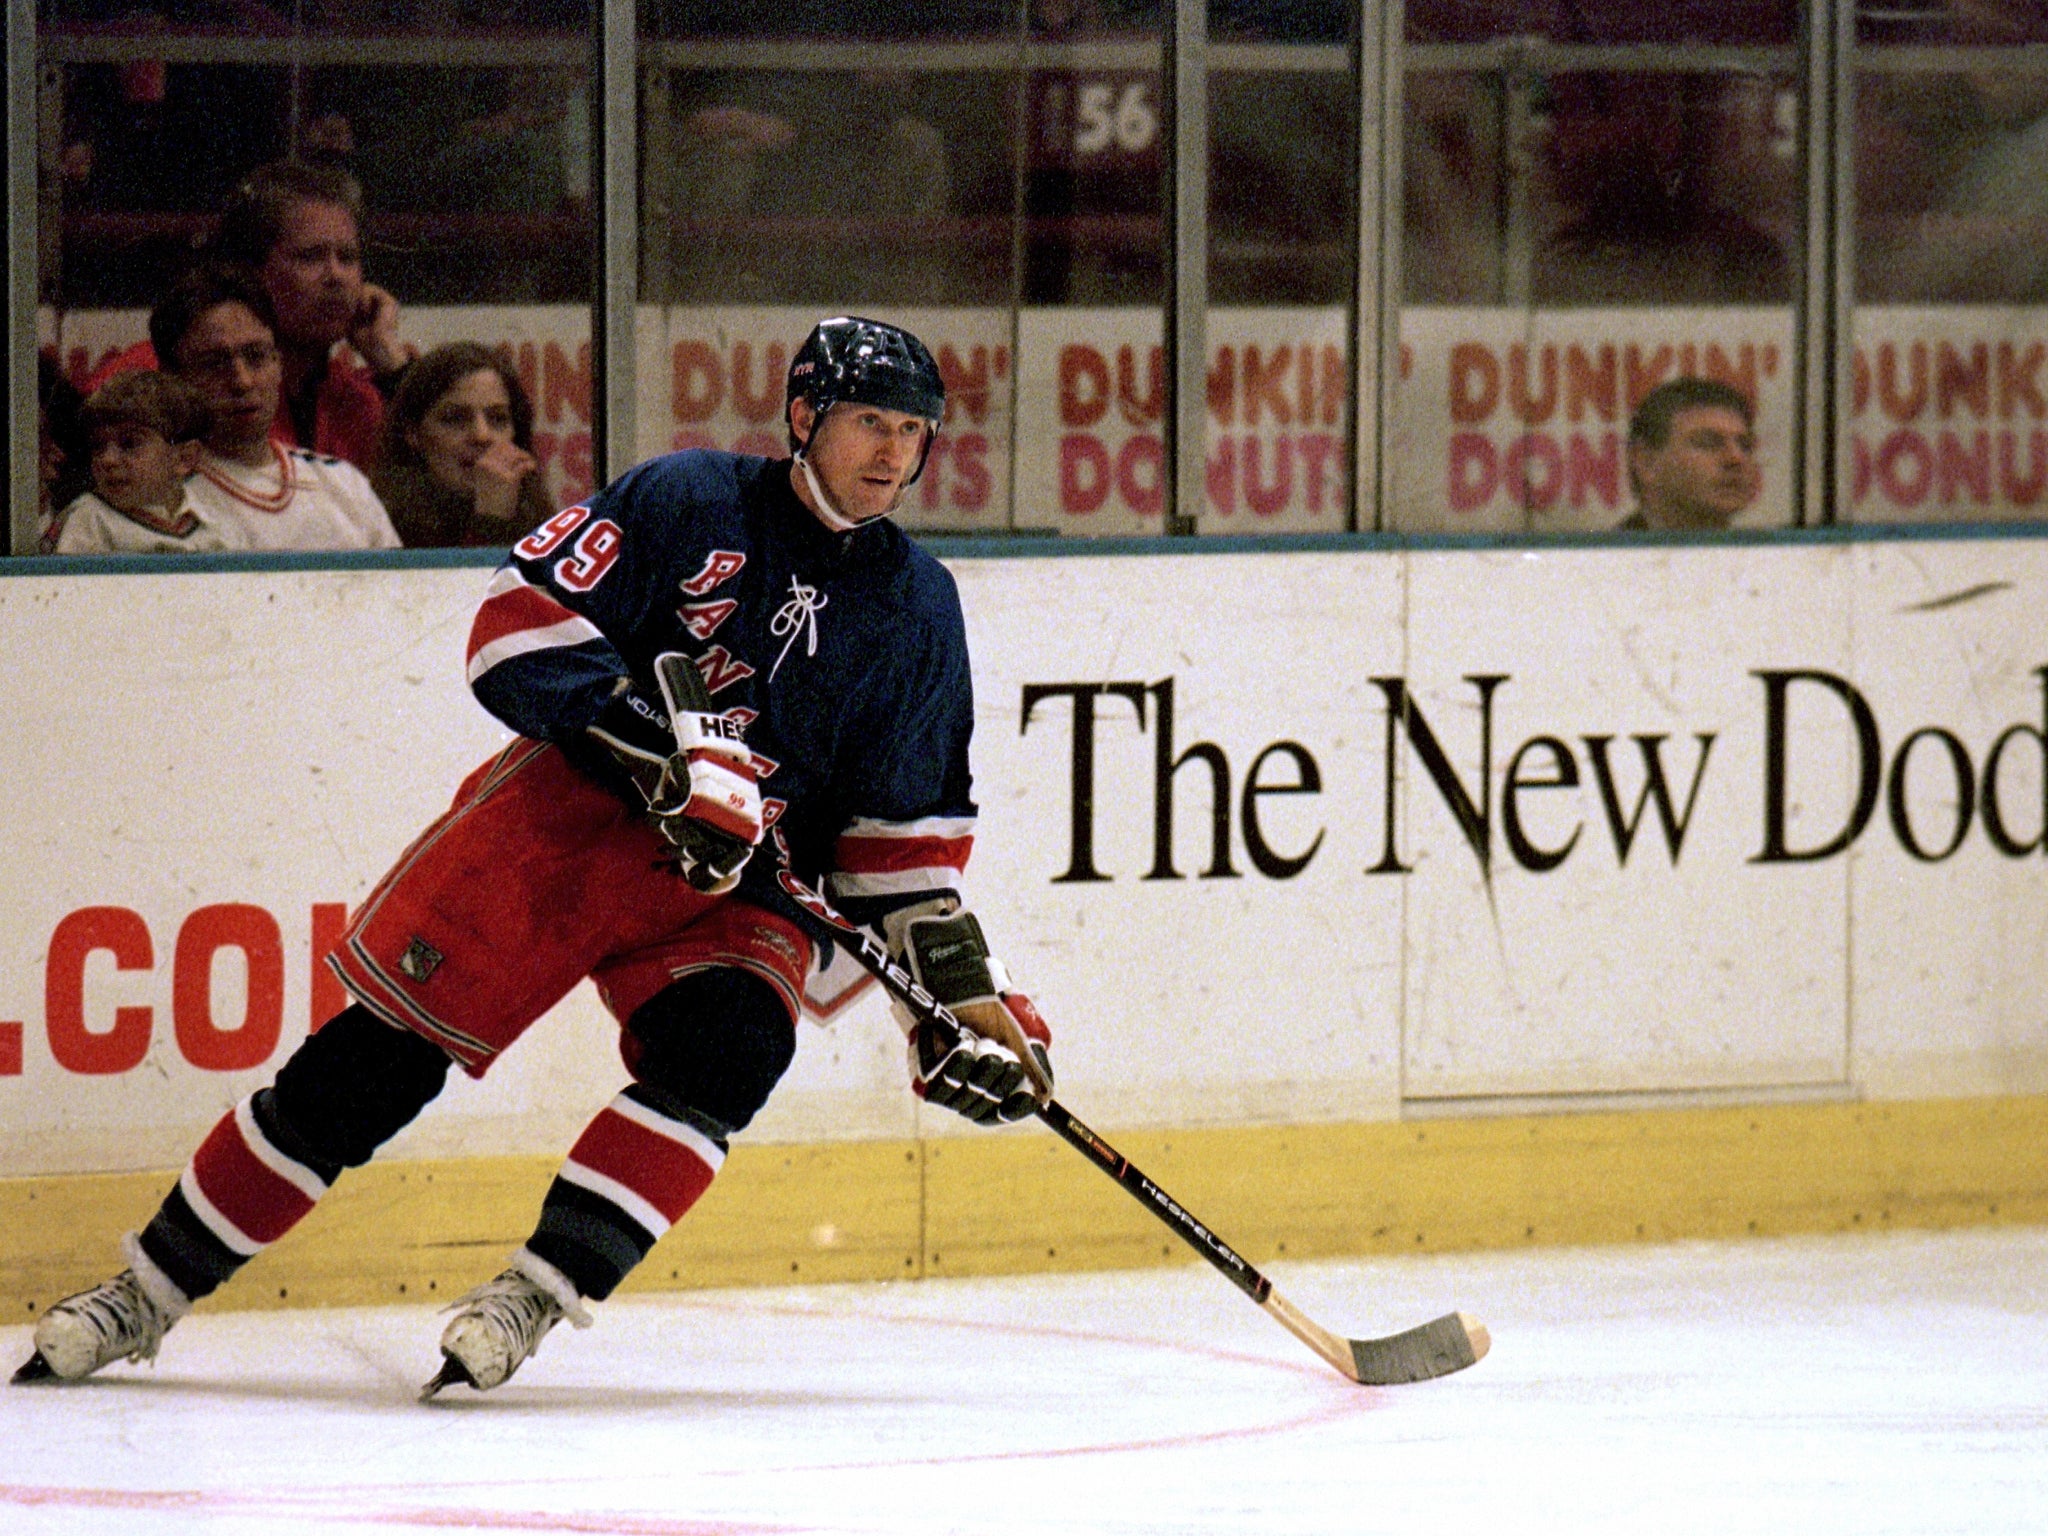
pixel 851 361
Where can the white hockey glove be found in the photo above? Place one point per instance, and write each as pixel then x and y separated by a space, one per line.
pixel 1000 1068
pixel 703 798
pixel 708 803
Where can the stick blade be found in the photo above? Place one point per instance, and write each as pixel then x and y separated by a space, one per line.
pixel 1438 1348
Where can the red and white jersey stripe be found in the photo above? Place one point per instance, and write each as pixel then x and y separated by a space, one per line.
pixel 900 858
pixel 517 618
pixel 651 1167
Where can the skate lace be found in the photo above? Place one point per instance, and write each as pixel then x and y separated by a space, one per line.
pixel 123 1316
pixel 515 1305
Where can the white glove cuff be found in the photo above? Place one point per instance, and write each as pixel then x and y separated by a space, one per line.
pixel 712 735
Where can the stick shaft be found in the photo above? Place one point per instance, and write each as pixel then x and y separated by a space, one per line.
pixel 1448 1344
pixel 1233 1265
pixel 1227 1260
pixel 809 909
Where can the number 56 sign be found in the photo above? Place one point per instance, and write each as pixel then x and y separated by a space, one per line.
pixel 1095 121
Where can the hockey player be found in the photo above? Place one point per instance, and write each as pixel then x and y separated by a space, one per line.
pixel 619 840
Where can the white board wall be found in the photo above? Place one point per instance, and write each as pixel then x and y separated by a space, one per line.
pixel 207 744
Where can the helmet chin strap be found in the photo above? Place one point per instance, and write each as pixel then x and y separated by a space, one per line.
pixel 827 513
pixel 830 515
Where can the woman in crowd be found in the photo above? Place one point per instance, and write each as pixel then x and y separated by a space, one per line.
pixel 457 463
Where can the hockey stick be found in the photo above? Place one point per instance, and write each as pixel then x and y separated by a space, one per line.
pixel 1450 1343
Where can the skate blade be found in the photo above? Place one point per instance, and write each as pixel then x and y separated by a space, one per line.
pixel 34 1369
pixel 451 1374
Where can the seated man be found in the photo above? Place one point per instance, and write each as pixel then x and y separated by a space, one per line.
pixel 215 331
pixel 1691 456
pixel 297 227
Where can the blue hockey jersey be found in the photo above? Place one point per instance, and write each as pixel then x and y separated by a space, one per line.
pixel 842 655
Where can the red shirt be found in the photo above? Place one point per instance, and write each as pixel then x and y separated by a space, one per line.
pixel 348 413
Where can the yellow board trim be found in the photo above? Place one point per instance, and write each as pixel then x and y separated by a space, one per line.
pixel 1019 1201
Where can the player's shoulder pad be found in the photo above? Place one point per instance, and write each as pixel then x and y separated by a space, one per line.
pixel 705 469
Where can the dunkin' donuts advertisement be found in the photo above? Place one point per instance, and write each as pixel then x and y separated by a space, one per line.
pixel 1501 420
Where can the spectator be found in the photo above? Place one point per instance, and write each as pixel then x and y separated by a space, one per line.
pixel 457 464
pixel 329 139
pixel 1452 170
pixel 1691 456
pixel 148 433
pixel 217 331
pixel 527 151
pixel 298 226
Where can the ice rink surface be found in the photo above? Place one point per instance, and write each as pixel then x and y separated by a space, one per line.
pixel 1888 1383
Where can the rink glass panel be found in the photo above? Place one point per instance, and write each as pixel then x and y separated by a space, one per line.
pixel 472 141
pixel 1579 201
pixel 1591 202
pixel 1946 417
pixel 472 137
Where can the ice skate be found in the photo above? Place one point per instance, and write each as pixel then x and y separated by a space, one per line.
pixel 122 1318
pixel 498 1326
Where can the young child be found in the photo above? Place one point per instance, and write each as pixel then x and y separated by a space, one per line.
pixel 147 433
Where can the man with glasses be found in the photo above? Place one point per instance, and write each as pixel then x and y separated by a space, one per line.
pixel 216 330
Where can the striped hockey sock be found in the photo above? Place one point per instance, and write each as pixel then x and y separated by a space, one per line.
pixel 633 1173
pixel 240 1193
